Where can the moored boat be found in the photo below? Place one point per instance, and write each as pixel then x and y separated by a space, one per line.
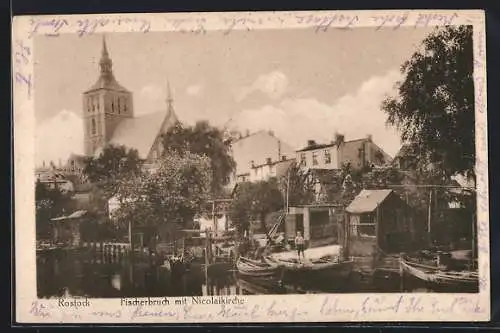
pixel 322 269
pixel 438 275
pixel 256 269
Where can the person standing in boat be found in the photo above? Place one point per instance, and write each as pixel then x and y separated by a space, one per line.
pixel 300 244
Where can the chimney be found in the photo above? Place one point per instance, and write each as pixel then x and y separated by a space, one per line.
pixel 268 160
pixel 369 138
pixel 271 133
pixel 283 158
pixel 252 164
pixel 311 143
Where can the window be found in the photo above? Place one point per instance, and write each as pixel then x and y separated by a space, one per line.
pixel 125 107
pixel 328 157
pixel 89 105
pixel 119 106
pixel 303 158
pixel 315 158
pixel 112 107
pixel 362 225
pixel 93 105
pixel 93 126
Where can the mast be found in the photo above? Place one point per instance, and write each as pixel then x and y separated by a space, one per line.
pixel 429 218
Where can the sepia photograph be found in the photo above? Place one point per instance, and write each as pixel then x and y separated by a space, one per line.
pixel 215 162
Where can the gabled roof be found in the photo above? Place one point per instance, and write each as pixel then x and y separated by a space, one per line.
pixel 141 132
pixel 367 201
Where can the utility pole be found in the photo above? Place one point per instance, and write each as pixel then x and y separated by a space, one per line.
pixel 213 216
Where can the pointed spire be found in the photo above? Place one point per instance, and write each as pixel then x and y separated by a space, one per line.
pixel 105 62
pixel 169 94
pixel 170 103
pixel 104 52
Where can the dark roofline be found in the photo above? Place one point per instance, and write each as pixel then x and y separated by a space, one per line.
pixel 273 163
pixel 316 146
pixel 107 89
pixel 327 145
pixel 249 135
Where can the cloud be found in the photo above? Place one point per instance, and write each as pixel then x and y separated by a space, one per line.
pixel 151 98
pixel 58 137
pixel 194 90
pixel 273 84
pixel 296 120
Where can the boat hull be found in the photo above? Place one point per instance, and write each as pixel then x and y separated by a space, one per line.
pixel 437 278
pixel 331 275
pixel 255 269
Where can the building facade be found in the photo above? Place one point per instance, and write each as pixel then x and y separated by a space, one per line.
pixel 108 113
pixel 258 156
pixel 359 153
pixel 268 170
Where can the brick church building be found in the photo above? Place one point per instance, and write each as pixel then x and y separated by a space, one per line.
pixel 109 119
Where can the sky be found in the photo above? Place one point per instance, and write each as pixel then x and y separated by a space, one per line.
pixel 300 84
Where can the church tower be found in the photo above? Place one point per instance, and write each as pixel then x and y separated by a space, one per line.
pixel 105 105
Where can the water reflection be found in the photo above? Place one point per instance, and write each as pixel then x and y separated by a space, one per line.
pixel 65 274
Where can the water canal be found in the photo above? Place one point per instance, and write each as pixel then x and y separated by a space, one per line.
pixel 66 274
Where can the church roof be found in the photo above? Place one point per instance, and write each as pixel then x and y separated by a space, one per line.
pixel 141 132
pixel 107 84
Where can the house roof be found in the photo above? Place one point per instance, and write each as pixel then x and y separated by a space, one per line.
pixel 141 132
pixel 367 201
pixel 405 150
pixel 75 215
pixel 317 146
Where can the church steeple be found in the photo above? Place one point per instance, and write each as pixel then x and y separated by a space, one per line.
pixel 170 104
pixel 106 63
pixel 170 100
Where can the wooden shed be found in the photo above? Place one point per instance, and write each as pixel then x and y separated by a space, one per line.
pixel 378 221
pixel 318 223
pixel 66 229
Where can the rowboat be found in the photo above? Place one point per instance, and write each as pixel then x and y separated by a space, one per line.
pixel 439 275
pixel 327 268
pixel 256 269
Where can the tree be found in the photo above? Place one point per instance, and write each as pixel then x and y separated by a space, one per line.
pixel 112 164
pixel 295 185
pixel 205 140
pixel 434 108
pixel 253 201
pixel 171 195
pixel 49 203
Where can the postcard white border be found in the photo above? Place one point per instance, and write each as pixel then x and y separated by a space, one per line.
pixel 263 308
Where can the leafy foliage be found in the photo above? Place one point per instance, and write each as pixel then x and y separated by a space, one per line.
pixel 295 185
pixel 204 140
pixel 114 163
pixel 434 109
pixel 171 195
pixel 49 203
pixel 253 201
